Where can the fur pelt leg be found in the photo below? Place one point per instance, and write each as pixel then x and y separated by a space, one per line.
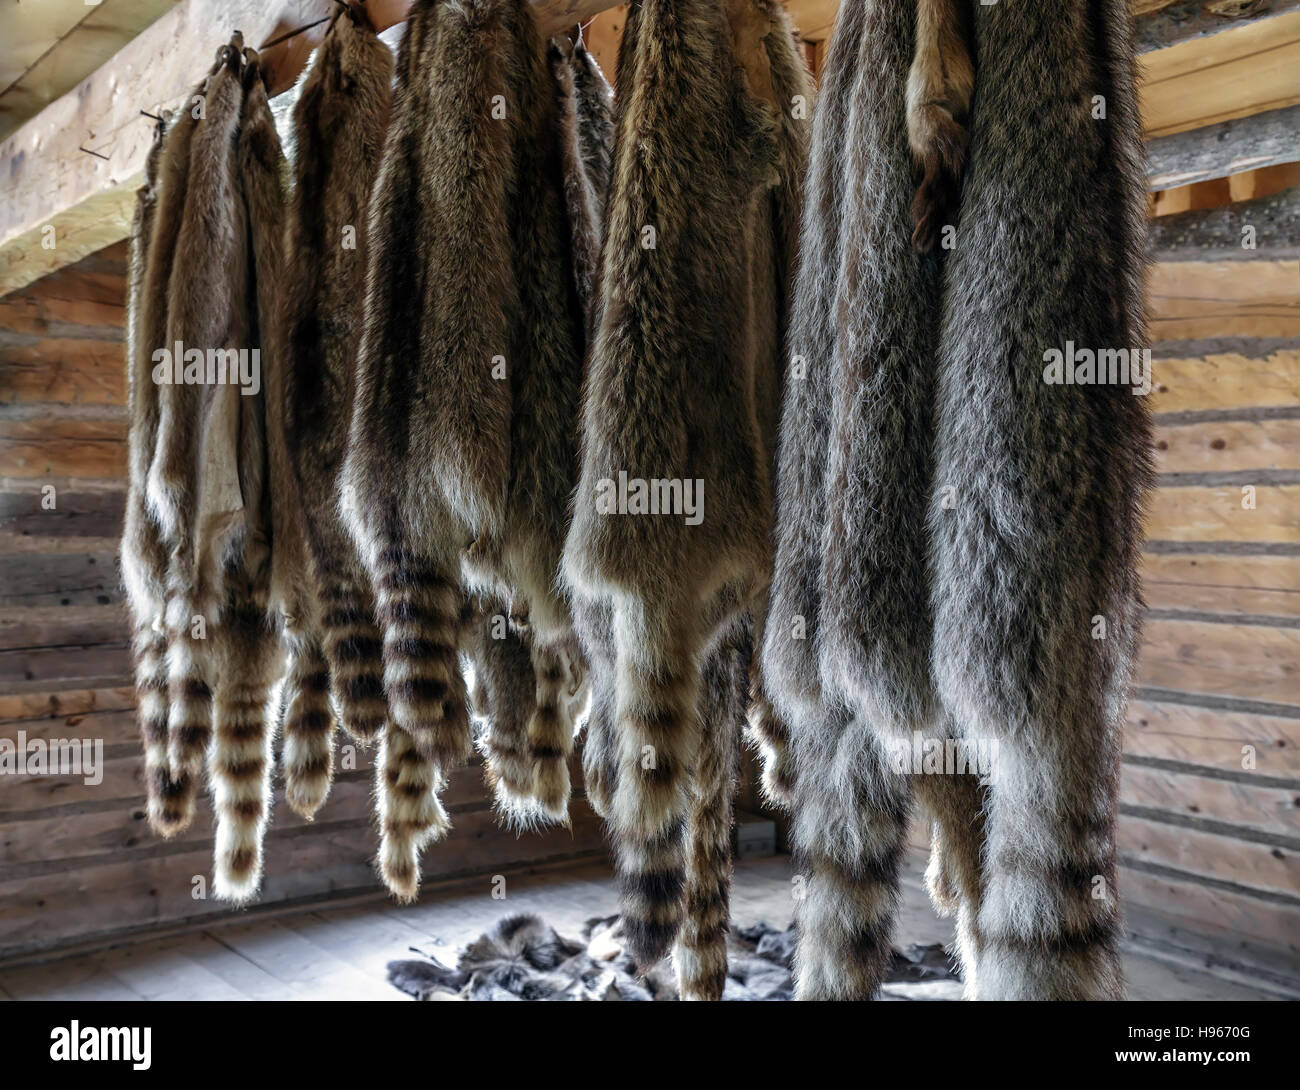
pixel 939 88
pixel 701 952
pixel 353 647
pixel 594 624
pixel 308 748
pixel 241 757
pixel 410 813
pixel 954 878
pixel 504 699
pixel 849 831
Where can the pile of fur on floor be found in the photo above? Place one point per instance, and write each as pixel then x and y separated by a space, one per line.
pixel 523 958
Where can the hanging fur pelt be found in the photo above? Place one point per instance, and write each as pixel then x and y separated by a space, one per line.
pixel 528 768
pixel 681 390
pixel 144 554
pixel 246 641
pixel 952 524
pixel 461 453
pixel 339 123
pixel 193 480
pixel 198 537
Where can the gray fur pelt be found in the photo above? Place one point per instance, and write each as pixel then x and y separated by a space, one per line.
pixel 339 123
pixel 461 453
pixel 951 525
pixel 523 958
pixel 682 384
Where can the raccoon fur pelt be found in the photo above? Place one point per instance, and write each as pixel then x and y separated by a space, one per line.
pixel 339 122
pixel 528 770
pixel 951 525
pixel 461 454
pixel 682 387
pixel 144 553
pixel 247 637
pixel 198 534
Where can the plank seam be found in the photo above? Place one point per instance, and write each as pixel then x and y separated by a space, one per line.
pixel 1208 772
pixel 1213 702
pixel 1210 825
pixel 1174 874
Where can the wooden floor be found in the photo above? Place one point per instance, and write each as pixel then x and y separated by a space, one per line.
pixel 342 953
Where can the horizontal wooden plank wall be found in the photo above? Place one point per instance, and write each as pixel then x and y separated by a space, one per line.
pixel 78 864
pixel 1209 831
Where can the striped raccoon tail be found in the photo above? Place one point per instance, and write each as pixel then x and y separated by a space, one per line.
pixel 849 832
pixel 241 757
pixel 419 608
pixel 657 722
pixel 410 813
pixel 354 650
pixel 550 734
pixel 701 952
pixel 308 753
pixel 1049 923
pixel 939 88
pixel 189 716
pixel 150 645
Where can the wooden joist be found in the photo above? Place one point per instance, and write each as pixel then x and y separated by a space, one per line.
pixel 51 45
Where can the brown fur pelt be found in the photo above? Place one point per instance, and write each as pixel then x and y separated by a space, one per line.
pixel 461 453
pixel 193 482
pixel 144 553
pixel 339 123
pixel 530 695
pixel 682 386
pixel 198 538
pixel 951 524
pixel 246 639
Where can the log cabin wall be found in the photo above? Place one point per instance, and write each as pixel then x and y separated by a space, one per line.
pixel 78 864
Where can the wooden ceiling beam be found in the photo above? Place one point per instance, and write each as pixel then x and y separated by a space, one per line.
pixel 87 196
